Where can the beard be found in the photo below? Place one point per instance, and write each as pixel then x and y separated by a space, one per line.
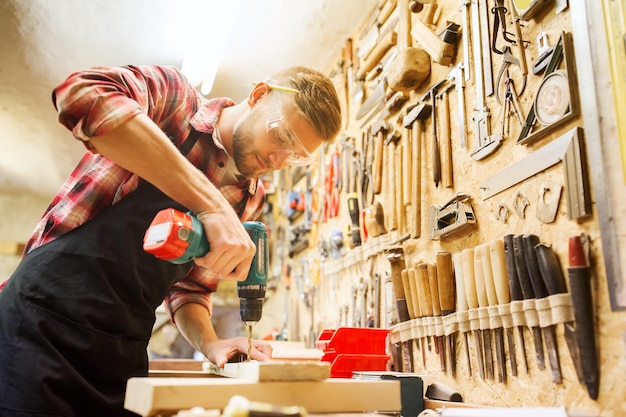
pixel 244 153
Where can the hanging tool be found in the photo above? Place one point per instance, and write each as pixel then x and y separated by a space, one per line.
pixel 528 292
pixel 411 66
pixel 391 222
pixel 379 130
pixel 395 256
pixel 179 237
pixel 492 300
pixel 433 289
pixel 441 48
pixel 461 300
pixel 483 285
pixel 544 53
pixel 498 267
pixel 417 309
pixel 399 175
pixel 435 151
pixel 515 289
pixel 445 280
pixel 555 283
pixel 459 86
pixel 539 287
pixel 446 140
pixel 464 6
pixel 486 142
pixel 424 297
pixel 455 215
pixel 579 274
pixel 469 279
pixel 413 120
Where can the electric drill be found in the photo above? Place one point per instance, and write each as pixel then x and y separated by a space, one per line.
pixel 179 237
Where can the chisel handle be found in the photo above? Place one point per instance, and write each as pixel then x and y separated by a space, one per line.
pixel 511 270
pixel 445 277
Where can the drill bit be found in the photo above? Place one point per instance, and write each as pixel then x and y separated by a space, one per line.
pixel 249 342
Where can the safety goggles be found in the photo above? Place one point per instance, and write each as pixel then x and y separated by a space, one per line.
pixel 285 141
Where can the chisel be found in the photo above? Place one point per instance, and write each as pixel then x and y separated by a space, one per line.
pixel 467 259
pixel 515 289
pixel 579 274
pixel 528 293
pixel 433 285
pixel 498 268
pixel 483 301
pixel 462 306
pixel 549 332
pixel 445 278
pixel 423 292
pixel 555 283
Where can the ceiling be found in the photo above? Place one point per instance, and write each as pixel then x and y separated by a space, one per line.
pixel 43 41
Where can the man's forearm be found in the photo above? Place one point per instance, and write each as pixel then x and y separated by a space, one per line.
pixel 194 323
pixel 142 148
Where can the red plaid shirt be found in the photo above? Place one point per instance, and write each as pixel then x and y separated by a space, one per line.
pixel 94 102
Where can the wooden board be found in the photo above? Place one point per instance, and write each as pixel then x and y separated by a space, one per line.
pixel 150 396
pixel 273 371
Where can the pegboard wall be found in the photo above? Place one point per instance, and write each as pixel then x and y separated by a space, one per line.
pixel 445 209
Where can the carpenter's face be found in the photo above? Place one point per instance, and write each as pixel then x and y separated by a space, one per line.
pixel 272 135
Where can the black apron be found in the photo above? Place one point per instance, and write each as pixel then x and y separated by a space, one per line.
pixel 77 314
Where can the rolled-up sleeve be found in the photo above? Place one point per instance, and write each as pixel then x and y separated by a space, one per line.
pixel 95 101
pixel 196 287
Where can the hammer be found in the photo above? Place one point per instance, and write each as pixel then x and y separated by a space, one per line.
pixel 379 130
pixel 413 121
pixel 432 93
pixel 411 66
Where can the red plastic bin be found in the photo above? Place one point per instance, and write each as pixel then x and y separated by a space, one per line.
pixel 353 340
pixel 350 349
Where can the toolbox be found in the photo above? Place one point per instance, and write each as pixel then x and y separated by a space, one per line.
pixel 350 349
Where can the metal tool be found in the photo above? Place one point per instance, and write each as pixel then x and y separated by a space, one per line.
pixel 555 283
pixel 567 148
pixel 467 259
pixel 179 237
pixel 486 142
pixel 579 274
pixel 528 292
pixel 481 265
pixel 461 300
pixel 446 286
pixel 452 217
pixel 498 267
pixel 515 288
pixel 539 287
pixel 459 86
pixel 435 150
pixel 465 33
pixel 414 121
pixel 433 285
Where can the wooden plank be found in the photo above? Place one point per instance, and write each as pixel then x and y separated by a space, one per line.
pixel 150 396
pixel 175 365
pixel 273 371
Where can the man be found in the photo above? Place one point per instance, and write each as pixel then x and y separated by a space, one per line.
pixel 76 315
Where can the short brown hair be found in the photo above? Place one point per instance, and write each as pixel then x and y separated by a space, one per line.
pixel 317 101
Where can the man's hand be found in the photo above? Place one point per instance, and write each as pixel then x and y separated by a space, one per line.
pixel 220 351
pixel 231 249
